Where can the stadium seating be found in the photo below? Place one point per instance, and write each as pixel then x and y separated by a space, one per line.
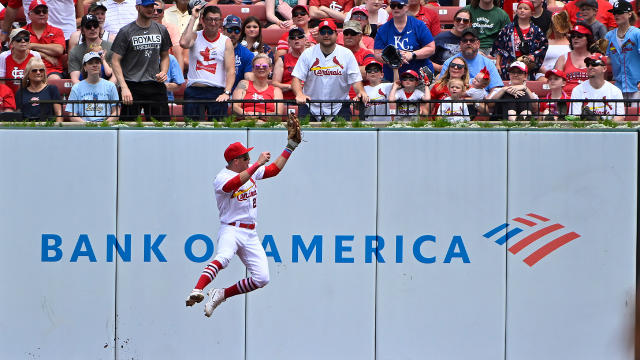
pixel 244 11
pixel 632 113
pixel 271 36
pixel 540 88
pixel 446 14
pixel 63 85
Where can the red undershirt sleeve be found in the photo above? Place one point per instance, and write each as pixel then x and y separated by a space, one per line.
pixel 270 170
pixel 232 185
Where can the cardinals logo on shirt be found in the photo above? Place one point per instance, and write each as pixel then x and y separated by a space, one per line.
pixel 628 46
pixel 208 62
pixel 326 70
pixel 612 48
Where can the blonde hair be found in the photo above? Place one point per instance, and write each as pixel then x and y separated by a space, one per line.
pixel 455 80
pixel 27 71
pixel 261 56
pixel 444 79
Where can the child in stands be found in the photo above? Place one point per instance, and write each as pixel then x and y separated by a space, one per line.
pixel 407 95
pixel 557 80
pixel 455 111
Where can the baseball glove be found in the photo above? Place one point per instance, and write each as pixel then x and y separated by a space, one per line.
pixel 294 134
pixel 392 56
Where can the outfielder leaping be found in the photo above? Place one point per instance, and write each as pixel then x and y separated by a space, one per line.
pixel 236 194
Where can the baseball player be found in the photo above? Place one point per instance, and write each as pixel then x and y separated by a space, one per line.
pixel 237 197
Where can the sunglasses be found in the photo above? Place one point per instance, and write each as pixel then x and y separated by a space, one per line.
pixel 296 37
pixel 234 30
pixel 158 11
pixel 261 66
pixel 372 71
pixel 210 19
pixel 349 33
pixel 462 20
pixel 457 66
pixel 91 26
pixel 408 78
pixel 467 41
pixel 359 17
pixel 35 71
pixel 41 11
pixel 577 36
pixel 396 6
pixel 325 31
pixel 595 63
pixel 21 39
pixel 244 157
pixel 298 13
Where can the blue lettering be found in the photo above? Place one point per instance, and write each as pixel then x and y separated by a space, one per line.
pixel 370 249
pixel 456 242
pixel 298 244
pixel 188 248
pixel 55 247
pixel 399 247
pixel 112 242
pixel 148 248
pixel 269 241
pixel 416 249
pixel 341 248
pixel 83 239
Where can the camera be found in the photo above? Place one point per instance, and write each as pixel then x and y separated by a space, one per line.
pixel 524 48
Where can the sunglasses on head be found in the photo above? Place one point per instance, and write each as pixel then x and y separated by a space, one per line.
pixel 234 30
pixel 462 20
pixel 396 6
pixel 457 66
pixel 158 10
pixel 326 31
pixel 261 66
pixel 21 38
pixel 296 37
pixel 298 13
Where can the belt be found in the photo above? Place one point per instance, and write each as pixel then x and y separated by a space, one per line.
pixel 242 225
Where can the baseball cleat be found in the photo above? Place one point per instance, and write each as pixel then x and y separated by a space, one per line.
pixel 216 297
pixel 195 297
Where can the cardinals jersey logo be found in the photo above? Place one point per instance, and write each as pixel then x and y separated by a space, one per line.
pixel 326 70
pixel 628 46
pixel 382 93
pixel 335 61
pixel 612 48
pixel 208 62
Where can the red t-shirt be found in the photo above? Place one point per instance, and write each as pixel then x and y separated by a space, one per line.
pixel 289 62
pixel 50 35
pixel 552 106
pixel 430 18
pixel 338 5
pixel 360 55
pixel 439 92
pixel 516 39
pixel 603 15
pixel 7 99
pixel 14 70
pixel 260 107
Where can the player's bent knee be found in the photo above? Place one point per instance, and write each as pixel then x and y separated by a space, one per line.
pixel 261 281
pixel 224 261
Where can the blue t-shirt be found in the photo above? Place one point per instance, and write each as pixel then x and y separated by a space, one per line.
pixel 243 62
pixel 625 59
pixel 174 75
pixel 89 111
pixel 475 65
pixel 414 36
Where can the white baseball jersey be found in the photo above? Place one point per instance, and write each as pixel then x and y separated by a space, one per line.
pixel 327 77
pixel 378 111
pixel 206 61
pixel 408 111
pixel 240 205
pixel 454 112
pixel 584 90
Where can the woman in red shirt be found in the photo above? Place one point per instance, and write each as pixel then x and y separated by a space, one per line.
pixel 258 89
pixel 572 64
pixel 285 63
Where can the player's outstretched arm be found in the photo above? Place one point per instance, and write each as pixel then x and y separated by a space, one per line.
pixel 294 137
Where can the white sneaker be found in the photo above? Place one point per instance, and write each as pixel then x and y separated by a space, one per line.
pixel 216 297
pixel 196 296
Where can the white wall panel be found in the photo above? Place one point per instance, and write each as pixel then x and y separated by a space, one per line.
pixel 327 188
pixel 577 302
pixel 58 182
pixel 443 184
pixel 165 186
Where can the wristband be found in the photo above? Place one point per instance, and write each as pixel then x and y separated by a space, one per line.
pixel 286 152
pixel 253 168
pixel 413 56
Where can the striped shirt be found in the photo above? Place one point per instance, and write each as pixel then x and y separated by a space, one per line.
pixel 119 14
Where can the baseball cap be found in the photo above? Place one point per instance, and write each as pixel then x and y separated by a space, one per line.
pixel 300 7
pixel 590 3
pixel 328 23
pixel 295 31
pixel 90 55
pixel 410 72
pixel 526 2
pixel 555 72
pixel 232 21
pixel 596 57
pixel 470 30
pixel 519 65
pixel 89 19
pixel 353 25
pixel 15 33
pixel 36 3
pixel 360 9
pixel 403 2
pixel 371 61
pixel 581 29
pixel 145 2
pixel 621 7
pixel 234 150
pixel 96 5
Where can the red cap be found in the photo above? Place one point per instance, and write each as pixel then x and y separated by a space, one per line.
pixel 328 23
pixel 595 57
pixel 371 60
pixel 581 29
pixel 410 72
pixel 234 150
pixel 555 72
pixel 36 3
pixel 526 2
pixel 303 7
pixel 361 9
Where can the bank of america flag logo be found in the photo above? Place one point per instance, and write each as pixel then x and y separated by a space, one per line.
pixel 532 230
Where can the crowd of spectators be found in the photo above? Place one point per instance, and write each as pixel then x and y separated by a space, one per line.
pixel 138 53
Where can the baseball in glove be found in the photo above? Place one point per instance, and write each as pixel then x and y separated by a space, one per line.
pixel 392 56
pixel 294 134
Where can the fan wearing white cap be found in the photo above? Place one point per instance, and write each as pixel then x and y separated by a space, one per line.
pixel 517 92
pixel 13 62
pixel 91 90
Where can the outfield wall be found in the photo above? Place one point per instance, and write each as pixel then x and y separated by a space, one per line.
pixel 382 244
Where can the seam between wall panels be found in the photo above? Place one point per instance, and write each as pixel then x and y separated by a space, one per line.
pixel 246 296
pixel 375 283
pixel 115 290
pixel 506 258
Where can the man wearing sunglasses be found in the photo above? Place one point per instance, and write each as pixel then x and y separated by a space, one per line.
pixel 91 41
pixel 62 14
pixel 597 88
pixel 448 42
pixel 13 62
pixel 243 57
pixel 409 35
pixel 47 40
pixel 327 70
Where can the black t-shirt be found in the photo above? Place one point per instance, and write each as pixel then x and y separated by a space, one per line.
pixel 447 45
pixel 543 22
pixel 39 111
